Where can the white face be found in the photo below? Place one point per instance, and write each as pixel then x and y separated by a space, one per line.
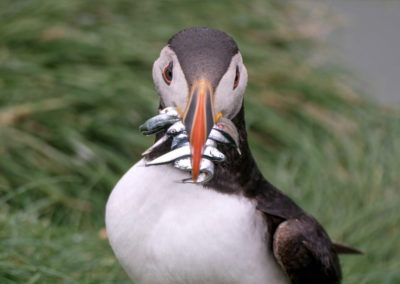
pixel 227 98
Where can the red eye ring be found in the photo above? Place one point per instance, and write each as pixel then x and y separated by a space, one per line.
pixel 237 78
pixel 167 73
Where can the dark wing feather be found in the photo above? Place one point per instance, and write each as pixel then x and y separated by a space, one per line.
pixel 305 252
pixel 345 249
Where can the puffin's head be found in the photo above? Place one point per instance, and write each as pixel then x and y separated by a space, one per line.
pixel 201 72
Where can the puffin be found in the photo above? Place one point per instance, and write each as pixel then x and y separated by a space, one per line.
pixel 233 227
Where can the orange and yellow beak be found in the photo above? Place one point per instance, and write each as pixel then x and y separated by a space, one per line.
pixel 199 119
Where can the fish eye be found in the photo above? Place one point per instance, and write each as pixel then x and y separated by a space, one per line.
pixel 237 77
pixel 167 73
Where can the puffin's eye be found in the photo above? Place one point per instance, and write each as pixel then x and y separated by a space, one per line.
pixel 237 77
pixel 167 73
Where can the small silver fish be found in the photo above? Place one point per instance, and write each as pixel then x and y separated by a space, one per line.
pixel 217 136
pixel 214 154
pixel 211 143
pixel 184 164
pixel 177 131
pixel 157 123
pixel 170 119
pixel 224 131
pixel 160 141
pixel 171 156
pixel 164 119
pixel 179 141
pixel 206 172
pixel 177 128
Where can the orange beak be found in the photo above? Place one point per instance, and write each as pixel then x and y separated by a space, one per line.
pixel 199 119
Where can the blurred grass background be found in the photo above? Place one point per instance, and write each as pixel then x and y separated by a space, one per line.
pixel 75 83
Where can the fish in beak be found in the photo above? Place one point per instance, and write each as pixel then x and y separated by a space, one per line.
pixel 199 119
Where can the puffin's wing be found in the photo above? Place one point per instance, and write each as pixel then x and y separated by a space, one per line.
pixel 304 250
pixel 276 204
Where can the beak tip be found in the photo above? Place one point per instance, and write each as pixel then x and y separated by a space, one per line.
pixel 195 170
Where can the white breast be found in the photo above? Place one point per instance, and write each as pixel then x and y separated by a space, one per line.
pixel 163 231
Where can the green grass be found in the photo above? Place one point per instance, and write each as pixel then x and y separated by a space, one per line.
pixel 75 84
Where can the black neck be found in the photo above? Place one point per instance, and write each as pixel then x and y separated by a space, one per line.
pixel 239 173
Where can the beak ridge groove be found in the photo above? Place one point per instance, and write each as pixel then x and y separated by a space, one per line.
pixel 199 120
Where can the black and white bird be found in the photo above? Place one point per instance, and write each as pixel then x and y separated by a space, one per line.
pixel 234 228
